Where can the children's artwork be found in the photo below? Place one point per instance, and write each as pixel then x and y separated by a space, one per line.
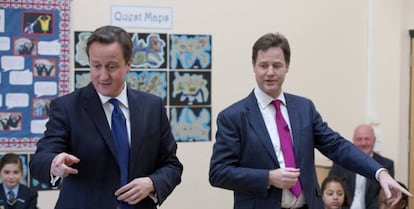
pixel 154 82
pixel 191 124
pixel 81 58
pixel 150 50
pixel 190 88
pixel 82 78
pixel 190 51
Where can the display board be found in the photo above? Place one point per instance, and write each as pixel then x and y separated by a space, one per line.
pixel 34 64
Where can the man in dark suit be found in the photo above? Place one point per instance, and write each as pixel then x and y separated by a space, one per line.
pixel 79 151
pixel 247 155
pixel 362 192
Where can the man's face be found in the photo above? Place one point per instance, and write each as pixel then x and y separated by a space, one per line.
pixel 364 139
pixel 108 68
pixel 270 70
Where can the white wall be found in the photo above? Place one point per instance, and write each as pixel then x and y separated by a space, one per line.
pixel 330 64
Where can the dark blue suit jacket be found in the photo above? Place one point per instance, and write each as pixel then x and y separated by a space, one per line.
pixel 372 188
pixel 243 153
pixel 26 199
pixel 78 125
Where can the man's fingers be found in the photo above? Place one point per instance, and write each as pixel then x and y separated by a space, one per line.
pixel 407 193
pixel 70 159
pixel 61 165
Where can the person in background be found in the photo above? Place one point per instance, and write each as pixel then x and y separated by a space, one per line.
pixel 15 195
pixel 106 145
pixel 264 148
pixel 362 191
pixel 334 194
pixel 402 204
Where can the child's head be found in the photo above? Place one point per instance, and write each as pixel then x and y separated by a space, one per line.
pixel 333 193
pixel 11 170
pixel 402 204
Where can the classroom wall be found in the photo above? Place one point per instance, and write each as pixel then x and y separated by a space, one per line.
pixel 349 57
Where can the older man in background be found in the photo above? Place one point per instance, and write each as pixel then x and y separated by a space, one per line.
pixel 363 193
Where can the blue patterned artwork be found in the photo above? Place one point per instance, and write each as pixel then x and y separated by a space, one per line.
pixel 190 51
pixel 190 88
pixel 149 50
pixel 191 124
pixel 154 82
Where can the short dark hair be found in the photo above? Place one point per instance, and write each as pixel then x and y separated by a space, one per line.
pixel 109 34
pixel 336 179
pixel 11 158
pixel 272 40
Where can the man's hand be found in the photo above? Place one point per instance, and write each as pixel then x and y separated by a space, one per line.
pixel 135 191
pixel 61 165
pixel 284 178
pixel 392 189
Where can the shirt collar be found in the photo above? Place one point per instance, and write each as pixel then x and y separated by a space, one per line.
pixel 263 99
pixel 122 97
pixel 14 189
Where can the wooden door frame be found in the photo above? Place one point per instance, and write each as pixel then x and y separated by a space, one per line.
pixel 411 125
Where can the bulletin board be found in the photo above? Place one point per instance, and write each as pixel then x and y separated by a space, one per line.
pixel 34 67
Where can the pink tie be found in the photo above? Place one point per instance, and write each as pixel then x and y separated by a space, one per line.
pixel 286 145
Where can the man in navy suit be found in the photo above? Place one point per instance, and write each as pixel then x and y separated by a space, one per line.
pixel 247 156
pixel 363 193
pixel 78 150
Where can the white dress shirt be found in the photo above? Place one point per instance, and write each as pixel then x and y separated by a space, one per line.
pixel 359 195
pixel 269 112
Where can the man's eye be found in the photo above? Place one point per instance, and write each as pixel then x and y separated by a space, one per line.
pixel 112 67
pixel 264 66
pixel 276 66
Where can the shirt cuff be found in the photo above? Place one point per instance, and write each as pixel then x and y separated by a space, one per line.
pixel 154 198
pixel 53 179
pixel 378 172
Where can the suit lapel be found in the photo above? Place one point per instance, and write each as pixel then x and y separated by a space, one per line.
pixel 295 121
pixel 3 198
pixel 90 103
pixel 256 121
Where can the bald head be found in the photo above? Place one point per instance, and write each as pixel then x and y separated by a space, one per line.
pixel 364 138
